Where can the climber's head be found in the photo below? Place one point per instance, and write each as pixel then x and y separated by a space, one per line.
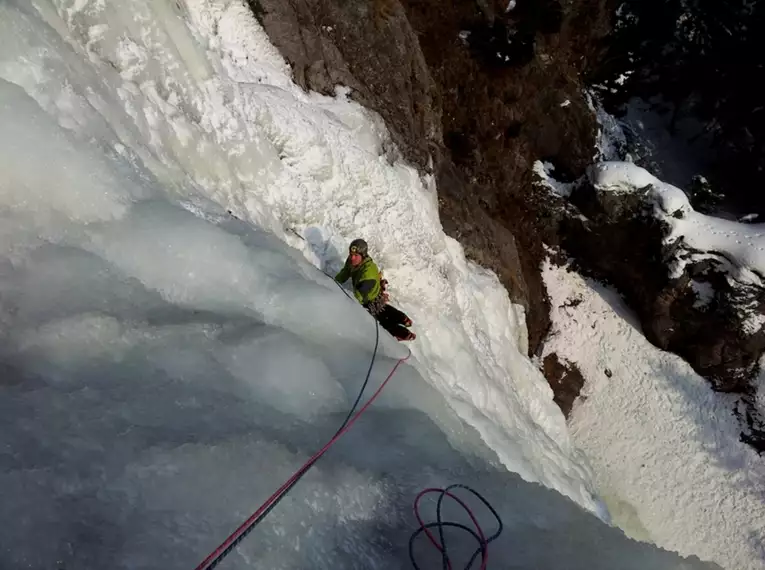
pixel 357 251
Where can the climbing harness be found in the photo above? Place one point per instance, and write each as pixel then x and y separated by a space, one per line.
pixel 215 557
pixel 440 524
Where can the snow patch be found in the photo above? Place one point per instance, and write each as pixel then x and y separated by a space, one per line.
pixel 665 447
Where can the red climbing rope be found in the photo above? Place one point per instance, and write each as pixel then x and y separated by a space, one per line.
pixel 429 534
pixel 440 524
pixel 212 560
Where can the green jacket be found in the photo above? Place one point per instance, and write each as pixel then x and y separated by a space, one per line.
pixel 365 277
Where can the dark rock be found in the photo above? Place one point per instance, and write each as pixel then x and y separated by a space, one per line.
pixel 485 240
pixel 753 433
pixel 566 381
pixel 712 337
pixel 498 45
pixel 513 129
pixel 502 117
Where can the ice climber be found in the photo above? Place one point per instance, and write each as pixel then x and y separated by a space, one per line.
pixel 369 288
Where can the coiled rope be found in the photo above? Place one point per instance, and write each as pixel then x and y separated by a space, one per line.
pixel 441 544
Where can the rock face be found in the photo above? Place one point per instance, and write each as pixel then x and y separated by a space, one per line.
pixel 470 91
pixel 704 312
